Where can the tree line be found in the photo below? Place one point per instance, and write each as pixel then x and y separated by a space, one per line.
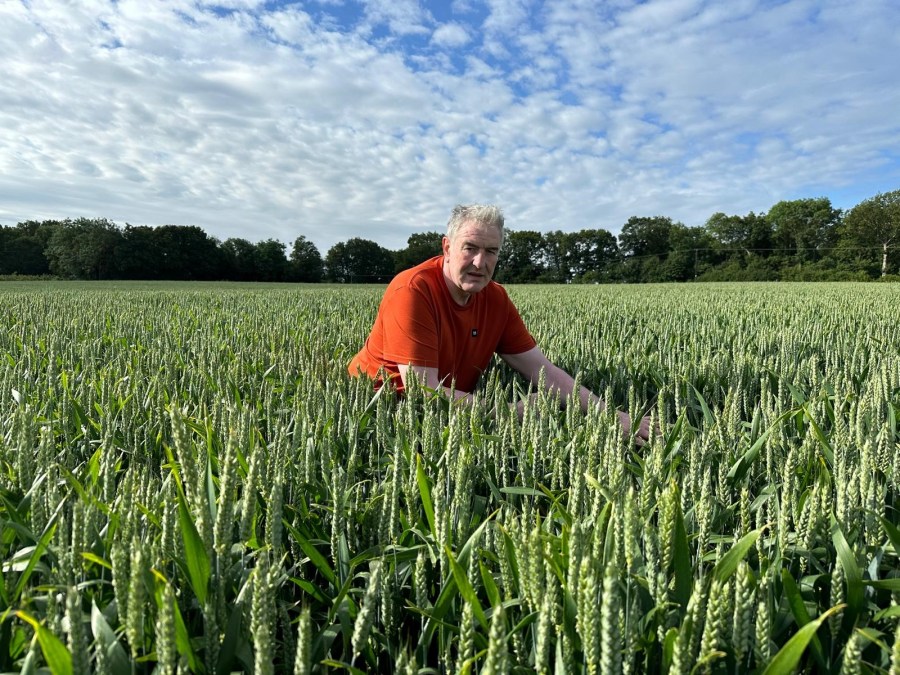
pixel 804 239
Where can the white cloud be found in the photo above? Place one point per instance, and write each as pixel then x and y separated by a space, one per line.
pixel 403 17
pixel 450 35
pixel 506 16
pixel 274 122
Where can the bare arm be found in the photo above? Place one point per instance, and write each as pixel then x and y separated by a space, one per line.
pixel 530 364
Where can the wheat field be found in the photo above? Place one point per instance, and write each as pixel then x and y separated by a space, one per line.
pixel 191 483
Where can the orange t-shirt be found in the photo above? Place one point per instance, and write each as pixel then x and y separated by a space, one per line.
pixel 419 323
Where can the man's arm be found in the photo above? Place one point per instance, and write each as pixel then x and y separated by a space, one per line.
pixel 529 364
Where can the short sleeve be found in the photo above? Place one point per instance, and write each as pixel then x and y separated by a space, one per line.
pixel 410 328
pixel 515 338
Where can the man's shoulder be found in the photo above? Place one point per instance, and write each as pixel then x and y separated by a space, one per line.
pixel 424 275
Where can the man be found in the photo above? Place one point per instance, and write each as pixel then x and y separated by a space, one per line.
pixel 445 318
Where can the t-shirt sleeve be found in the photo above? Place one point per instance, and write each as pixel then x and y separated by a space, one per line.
pixel 410 328
pixel 515 338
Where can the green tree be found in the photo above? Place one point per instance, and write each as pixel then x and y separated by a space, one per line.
pixel 691 253
pixel 272 263
pixel 306 262
pixel 645 236
pixel 41 231
pixel 21 253
pixel 594 256
pixel 874 223
pixel 359 261
pixel 742 248
pixel 419 247
pixel 739 236
pixel 187 252
pixel 521 258
pixel 83 248
pixel 557 257
pixel 804 228
pixel 644 244
pixel 137 254
pixel 240 258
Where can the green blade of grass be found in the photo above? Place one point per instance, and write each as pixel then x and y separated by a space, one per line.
pixel 196 560
pixel 317 559
pixel 787 658
pixel 466 589
pixel 448 593
pixel 889 613
pixel 116 659
pixel 37 553
pixel 801 616
pixel 58 658
pixel 884 584
pixel 182 639
pixel 820 436
pixel 509 548
pixel 729 562
pixel 681 558
pixel 739 468
pixel 669 648
pixel 521 490
pixel 342 665
pixel 490 586
pixel 707 415
pixel 97 560
pixel 425 495
pixel 853 575
pixel 892 532
pixel 12 516
pixel 230 641
pixel 311 589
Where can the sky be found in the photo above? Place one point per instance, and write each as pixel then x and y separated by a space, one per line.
pixel 334 119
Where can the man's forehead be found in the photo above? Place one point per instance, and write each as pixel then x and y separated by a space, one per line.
pixel 474 230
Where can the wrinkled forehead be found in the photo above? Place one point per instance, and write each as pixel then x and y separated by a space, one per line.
pixel 480 232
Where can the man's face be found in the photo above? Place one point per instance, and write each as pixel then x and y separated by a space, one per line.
pixel 470 259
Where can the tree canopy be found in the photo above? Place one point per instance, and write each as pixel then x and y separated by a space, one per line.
pixel 359 261
pixel 875 220
pixel 82 249
pixel 306 261
pixel 419 247
pixel 801 239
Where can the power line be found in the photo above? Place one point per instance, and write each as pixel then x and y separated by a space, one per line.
pixel 717 249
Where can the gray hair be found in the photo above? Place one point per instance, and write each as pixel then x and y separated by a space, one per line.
pixel 483 214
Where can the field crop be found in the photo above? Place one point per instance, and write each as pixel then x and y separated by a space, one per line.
pixel 190 482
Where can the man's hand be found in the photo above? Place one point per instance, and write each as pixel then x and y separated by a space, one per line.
pixel 530 364
pixel 643 432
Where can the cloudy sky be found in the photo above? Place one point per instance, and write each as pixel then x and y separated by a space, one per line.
pixel 372 118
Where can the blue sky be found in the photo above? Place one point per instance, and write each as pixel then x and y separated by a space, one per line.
pixel 372 118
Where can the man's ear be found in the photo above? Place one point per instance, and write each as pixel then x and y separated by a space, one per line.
pixel 445 245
